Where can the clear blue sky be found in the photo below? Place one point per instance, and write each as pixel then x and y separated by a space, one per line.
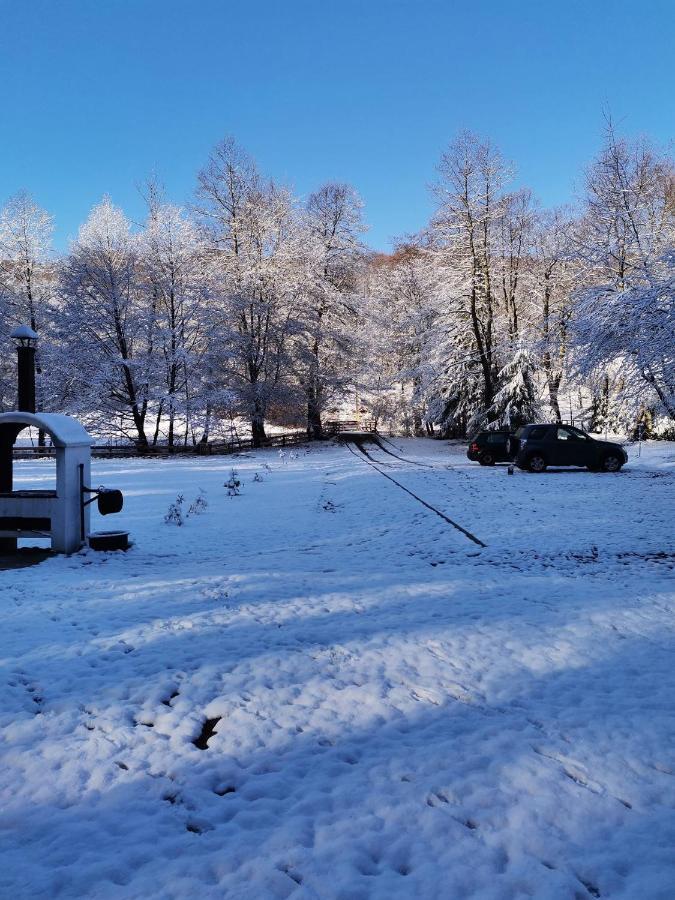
pixel 96 94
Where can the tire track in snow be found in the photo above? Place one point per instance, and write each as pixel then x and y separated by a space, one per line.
pixel 377 439
pixel 371 462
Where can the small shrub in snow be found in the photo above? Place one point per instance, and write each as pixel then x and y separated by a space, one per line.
pixel 174 515
pixel 233 484
pixel 257 477
pixel 199 504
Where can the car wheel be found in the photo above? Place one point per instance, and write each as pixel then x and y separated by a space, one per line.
pixel 487 459
pixel 536 463
pixel 611 463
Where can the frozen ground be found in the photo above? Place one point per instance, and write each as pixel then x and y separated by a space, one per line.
pixel 400 712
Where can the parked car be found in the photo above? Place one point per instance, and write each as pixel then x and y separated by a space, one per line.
pixel 534 447
pixel 489 447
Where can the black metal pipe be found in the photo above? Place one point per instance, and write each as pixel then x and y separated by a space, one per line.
pixel 80 469
pixel 26 366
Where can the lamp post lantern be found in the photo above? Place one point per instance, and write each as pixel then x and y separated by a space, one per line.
pixel 26 346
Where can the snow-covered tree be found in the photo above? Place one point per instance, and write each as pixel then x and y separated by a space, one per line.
pixel 628 225
pixel 551 281
pixel 333 253
pixel 515 402
pixel 250 224
pixel 630 330
pixel 25 246
pixel 107 330
pixel 7 365
pixel 629 210
pixel 469 191
pixel 174 277
pixel 480 240
pixel 401 317
pixel 26 277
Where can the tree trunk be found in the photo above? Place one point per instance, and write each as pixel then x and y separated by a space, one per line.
pixel 667 403
pixel 258 429
pixel 314 426
pixel 141 441
pixel 553 382
pixel 207 425
pixel 314 430
pixel 158 420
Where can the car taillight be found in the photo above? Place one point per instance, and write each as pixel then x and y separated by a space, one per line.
pixel 474 447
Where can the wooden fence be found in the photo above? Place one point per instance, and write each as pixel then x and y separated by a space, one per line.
pixel 340 427
pixel 163 451
pixel 212 448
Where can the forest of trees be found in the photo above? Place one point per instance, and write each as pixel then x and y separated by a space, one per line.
pixel 252 308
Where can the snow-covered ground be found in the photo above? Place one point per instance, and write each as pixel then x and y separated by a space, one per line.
pixel 401 713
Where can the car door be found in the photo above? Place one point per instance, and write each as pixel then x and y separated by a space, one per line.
pixel 535 439
pixel 570 449
pixel 585 448
pixel 497 445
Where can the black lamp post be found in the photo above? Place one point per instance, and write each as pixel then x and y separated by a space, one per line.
pixel 26 346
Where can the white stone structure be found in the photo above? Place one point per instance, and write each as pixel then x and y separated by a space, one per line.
pixel 57 514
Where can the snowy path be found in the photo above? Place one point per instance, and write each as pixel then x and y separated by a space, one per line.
pixel 400 713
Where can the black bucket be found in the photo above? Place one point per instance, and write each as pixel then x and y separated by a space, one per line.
pixel 109 540
pixel 109 501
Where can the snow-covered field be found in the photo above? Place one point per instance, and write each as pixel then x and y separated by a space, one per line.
pixel 401 713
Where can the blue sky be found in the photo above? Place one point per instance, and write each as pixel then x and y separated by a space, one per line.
pixel 96 94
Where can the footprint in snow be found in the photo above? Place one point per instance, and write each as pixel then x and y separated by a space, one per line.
pixel 207 732
pixel 440 800
pixel 348 758
pixel 437 798
pixel 592 889
pixel 570 769
pixel 224 790
pixel 422 695
pixel 291 872
pixel 198 827
pixel 31 687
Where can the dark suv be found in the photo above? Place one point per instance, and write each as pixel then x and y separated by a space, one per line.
pixel 489 447
pixel 534 447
